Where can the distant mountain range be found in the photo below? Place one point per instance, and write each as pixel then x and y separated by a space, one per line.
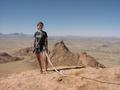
pixel 15 34
pixel 1 34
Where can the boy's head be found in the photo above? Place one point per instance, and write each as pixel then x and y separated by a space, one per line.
pixel 40 25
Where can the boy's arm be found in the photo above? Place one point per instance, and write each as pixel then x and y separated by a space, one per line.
pixel 46 44
pixel 34 44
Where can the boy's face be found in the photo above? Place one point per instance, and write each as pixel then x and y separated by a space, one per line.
pixel 39 27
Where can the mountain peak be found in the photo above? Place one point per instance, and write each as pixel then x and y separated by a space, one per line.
pixel 61 46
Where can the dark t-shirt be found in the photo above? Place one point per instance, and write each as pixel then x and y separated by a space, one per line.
pixel 40 37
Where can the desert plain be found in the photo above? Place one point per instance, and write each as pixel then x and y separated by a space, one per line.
pixel 23 73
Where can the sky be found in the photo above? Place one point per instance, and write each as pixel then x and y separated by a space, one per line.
pixel 61 17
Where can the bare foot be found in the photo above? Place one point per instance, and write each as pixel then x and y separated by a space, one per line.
pixel 41 72
pixel 45 72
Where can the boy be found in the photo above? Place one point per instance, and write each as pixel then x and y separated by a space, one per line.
pixel 41 44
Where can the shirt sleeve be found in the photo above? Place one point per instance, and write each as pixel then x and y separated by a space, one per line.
pixel 46 36
pixel 34 35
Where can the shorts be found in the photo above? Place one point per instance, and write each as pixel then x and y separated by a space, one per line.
pixel 40 49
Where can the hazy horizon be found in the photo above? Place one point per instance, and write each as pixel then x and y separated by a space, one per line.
pixel 31 34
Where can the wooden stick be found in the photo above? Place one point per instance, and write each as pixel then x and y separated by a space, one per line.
pixel 66 68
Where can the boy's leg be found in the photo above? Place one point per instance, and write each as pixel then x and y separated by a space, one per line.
pixel 45 60
pixel 39 60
